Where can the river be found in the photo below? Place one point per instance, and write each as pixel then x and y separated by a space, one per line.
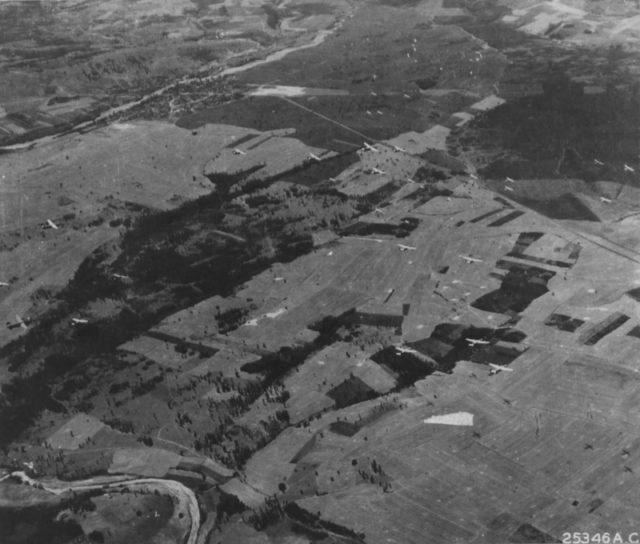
pixel 319 38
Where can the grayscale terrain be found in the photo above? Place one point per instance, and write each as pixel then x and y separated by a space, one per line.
pixel 326 271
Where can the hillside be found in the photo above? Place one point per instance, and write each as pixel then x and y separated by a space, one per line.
pixel 370 277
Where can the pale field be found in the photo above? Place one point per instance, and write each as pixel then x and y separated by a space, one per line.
pixel 75 432
pixel 144 462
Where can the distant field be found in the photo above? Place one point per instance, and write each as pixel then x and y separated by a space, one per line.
pixel 383 98
pixel 152 463
pixel 75 432
pixel 127 517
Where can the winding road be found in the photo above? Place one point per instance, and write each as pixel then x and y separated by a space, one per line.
pixel 185 498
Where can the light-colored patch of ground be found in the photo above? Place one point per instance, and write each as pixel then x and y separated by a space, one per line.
pixel 214 394
pixel 244 493
pixel 198 322
pixel 48 263
pixel 551 246
pixel 207 465
pixel 228 360
pixel 389 162
pixel 488 103
pixel 140 8
pixel 328 368
pixel 323 237
pixel 626 25
pixel 462 419
pixel 68 106
pixel 462 118
pixel 13 494
pixel 238 532
pixel 374 376
pixel 270 466
pixel 580 22
pixel 75 432
pixel 148 462
pixel 537 18
pixel 270 155
pixel 289 91
pixel 450 12
pixel 126 517
pixel 544 189
pixel 417 143
pixel 291 327
pixel 161 351
pixel 361 184
pixel 140 162
pixel 103 308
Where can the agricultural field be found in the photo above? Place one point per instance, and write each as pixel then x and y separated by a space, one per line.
pixel 319 271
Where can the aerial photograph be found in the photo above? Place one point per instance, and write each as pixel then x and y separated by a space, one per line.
pixel 319 271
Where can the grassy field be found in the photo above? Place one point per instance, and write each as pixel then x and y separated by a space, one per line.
pixel 120 518
pixel 75 432
pixel 308 336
